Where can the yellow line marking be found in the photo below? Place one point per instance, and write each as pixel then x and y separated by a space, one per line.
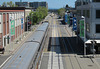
pixel 68 32
pixel 62 36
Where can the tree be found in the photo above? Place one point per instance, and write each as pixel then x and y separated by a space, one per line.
pixel 38 15
pixel 10 4
pixel 61 11
pixel 4 4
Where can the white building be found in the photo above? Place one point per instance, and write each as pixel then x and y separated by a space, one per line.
pixel 91 10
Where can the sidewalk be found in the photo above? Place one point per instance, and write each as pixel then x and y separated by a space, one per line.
pixel 85 63
pixel 12 48
pixel 72 33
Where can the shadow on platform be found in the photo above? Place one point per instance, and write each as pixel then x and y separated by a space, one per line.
pixel 67 45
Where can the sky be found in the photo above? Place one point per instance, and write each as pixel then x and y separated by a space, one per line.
pixel 52 4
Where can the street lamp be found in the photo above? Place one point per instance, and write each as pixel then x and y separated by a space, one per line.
pixel 94 42
pixel 27 21
pixel 83 18
pixel 21 25
pixel 31 21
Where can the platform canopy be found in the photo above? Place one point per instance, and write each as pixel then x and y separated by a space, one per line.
pixel 89 41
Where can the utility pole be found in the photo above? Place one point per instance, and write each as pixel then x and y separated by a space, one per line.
pixel 31 21
pixel 27 21
pixel 93 44
pixel 84 38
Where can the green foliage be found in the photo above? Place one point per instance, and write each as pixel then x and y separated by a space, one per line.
pixel 38 15
pixel 4 3
pixel 10 4
pixel 16 5
pixel 61 11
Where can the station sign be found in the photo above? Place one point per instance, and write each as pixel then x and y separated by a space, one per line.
pixel 68 18
pixel 21 23
pixel 74 24
pixel 65 17
pixel 81 28
pixel 12 27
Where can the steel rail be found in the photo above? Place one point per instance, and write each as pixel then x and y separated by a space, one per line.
pixel 72 48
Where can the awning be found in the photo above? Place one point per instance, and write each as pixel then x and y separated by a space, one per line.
pixel 89 41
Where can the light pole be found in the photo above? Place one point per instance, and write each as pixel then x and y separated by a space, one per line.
pixel 93 44
pixel 31 21
pixel 10 32
pixel 83 18
pixel 27 22
pixel 21 25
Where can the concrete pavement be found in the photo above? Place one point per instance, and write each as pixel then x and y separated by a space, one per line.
pixel 84 63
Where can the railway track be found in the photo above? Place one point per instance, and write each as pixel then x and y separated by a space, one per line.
pixel 74 56
pixel 55 59
pixel 71 56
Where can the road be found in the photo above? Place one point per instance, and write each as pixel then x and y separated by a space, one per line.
pixel 61 50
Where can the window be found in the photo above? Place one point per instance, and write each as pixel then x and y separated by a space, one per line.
pixel 79 12
pixel 83 12
pixel 88 13
pixel 83 2
pixel 97 13
pixel 96 0
pixel 97 28
pixel 78 3
pixel 88 27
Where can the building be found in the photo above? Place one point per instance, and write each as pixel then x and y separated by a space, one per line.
pixel 11 24
pixel 32 4
pixel 22 4
pixel 43 4
pixel 90 9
